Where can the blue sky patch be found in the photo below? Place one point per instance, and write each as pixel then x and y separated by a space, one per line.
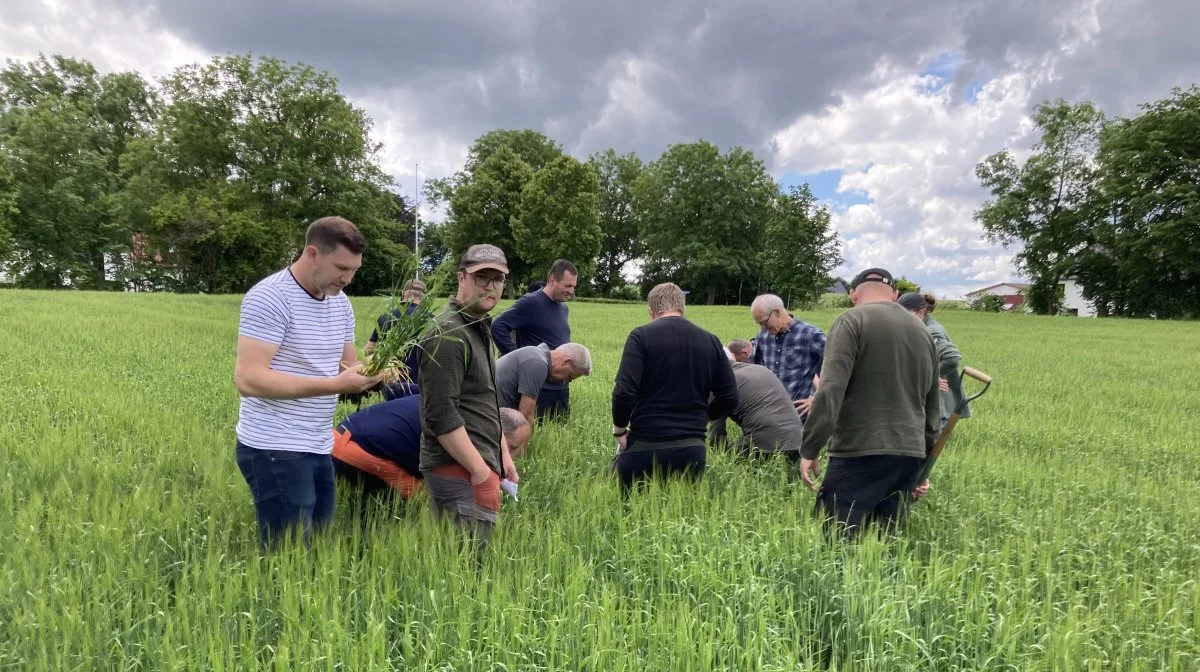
pixel 824 186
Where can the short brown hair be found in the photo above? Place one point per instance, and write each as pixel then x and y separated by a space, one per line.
pixel 327 233
pixel 737 346
pixel 560 268
pixel 665 298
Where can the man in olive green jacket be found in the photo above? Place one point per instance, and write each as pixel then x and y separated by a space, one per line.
pixel 877 407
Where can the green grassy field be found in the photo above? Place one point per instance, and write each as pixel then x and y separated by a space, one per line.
pixel 1061 532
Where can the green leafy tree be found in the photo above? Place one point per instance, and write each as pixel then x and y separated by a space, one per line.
pixel 799 249
pixel 621 242
pixel 483 207
pixel 535 149
pixel 705 214
pixel 8 207
pixel 903 285
pixel 557 216
pixel 64 130
pixel 1147 259
pixel 1049 204
pixel 486 197
pixel 988 303
pixel 246 153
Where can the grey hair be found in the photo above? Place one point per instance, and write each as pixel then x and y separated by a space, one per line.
pixel 581 359
pixel 511 421
pixel 665 298
pixel 766 303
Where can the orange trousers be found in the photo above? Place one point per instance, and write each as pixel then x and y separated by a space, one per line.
pixel 346 450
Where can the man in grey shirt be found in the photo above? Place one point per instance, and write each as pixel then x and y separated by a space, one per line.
pixel 522 373
pixel 765 412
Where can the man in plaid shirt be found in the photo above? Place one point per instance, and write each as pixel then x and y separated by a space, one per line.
pixel 793 350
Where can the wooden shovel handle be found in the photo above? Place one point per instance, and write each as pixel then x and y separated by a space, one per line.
pixel 977 375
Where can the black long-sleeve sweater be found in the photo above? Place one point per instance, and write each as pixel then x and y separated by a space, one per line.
pixel 669 371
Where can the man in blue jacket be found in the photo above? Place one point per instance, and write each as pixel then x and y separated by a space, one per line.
pixel 541 317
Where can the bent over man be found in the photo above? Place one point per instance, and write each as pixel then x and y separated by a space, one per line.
pixel 522 374
pixel 769 422
pixel 380 446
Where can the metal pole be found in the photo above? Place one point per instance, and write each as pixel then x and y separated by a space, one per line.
pixel 417 219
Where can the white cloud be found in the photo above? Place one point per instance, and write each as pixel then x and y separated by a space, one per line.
pixel 406 143
pixel 912 148
pixel 85 29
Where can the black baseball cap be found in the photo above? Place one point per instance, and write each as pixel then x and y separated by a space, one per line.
pixel 912 301
pixel 872 275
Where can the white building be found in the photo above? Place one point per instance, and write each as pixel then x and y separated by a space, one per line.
pixel 1013 293
pixel 1072 299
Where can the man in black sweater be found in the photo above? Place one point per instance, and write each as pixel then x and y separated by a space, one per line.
pixel 669 371
pixel 541 317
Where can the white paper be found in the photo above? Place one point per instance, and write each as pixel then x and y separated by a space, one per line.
pixel 510 488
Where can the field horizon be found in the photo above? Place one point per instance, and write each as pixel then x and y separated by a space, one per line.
pixel 1056 535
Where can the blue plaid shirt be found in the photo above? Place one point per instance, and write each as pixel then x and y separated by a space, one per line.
pixel 794 356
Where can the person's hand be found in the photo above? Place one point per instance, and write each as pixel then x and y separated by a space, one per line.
pixel 510 469
pixel 809 471
pixel 351 380
pixel 623 440
pixel 480 475
pixel 803 405
pixel 921 490
pixel 943 385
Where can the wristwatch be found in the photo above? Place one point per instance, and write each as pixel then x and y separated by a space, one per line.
pixel 620 431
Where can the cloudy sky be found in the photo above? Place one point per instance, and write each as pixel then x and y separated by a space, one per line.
pixel 883 107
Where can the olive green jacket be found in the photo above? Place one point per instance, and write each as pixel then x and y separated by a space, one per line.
pixel 950 360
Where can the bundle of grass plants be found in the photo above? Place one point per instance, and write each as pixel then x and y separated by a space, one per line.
pixel 403 328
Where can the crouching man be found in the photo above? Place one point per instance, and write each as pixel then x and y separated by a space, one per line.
pixel 522 374
pixel 380 446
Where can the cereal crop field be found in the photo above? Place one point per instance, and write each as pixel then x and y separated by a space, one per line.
pixel 1062 531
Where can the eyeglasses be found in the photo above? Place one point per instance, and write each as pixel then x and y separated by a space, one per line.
pixel 485 282
pixel 763 322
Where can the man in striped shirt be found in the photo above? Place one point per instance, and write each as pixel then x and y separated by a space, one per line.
pixel 295 354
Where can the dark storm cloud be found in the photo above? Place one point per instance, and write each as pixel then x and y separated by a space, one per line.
pixel 728 71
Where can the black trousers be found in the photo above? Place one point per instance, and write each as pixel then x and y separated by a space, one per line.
pixel 552 403
pixel 638 466
pixel 858 491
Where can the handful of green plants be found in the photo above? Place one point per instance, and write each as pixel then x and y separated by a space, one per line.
pixel 402 328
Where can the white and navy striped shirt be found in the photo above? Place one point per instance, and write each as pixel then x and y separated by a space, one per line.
pixel 311 334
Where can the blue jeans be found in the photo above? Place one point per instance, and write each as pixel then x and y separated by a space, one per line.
pixel 290 489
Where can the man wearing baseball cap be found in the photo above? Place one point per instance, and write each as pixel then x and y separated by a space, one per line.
pixel 877 407
pixel 411 294
pixel 463 449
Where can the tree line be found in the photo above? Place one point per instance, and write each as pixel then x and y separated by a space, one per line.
pixel 1112 202
pixel 205 181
